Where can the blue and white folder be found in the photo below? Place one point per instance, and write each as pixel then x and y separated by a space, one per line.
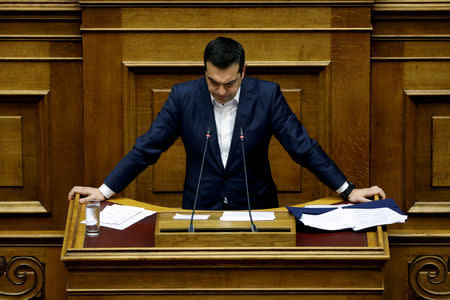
pixel 356 216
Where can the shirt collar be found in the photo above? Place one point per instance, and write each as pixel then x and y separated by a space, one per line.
pixel 235 99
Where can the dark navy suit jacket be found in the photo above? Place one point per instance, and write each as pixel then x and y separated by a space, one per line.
pixel 262 112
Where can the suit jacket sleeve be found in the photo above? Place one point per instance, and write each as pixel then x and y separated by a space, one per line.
pixel 303 150
pixel 163 132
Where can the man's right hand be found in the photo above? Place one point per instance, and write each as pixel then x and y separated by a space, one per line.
pixel 88 194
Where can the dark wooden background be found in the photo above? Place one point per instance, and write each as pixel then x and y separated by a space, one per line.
pixel 80 80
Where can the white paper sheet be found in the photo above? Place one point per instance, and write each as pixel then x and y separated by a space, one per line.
pixel 365 218
pixel 129 222
pixel 122 216
pixel 336 219
pixel 326 205
pixel 188 217
pixel 357 219
pixel 244 216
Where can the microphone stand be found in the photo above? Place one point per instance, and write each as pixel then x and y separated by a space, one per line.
pixel 254 229
pixel 191 225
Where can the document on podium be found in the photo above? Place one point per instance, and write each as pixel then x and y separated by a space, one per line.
pixel 188 217
pixel 244 216
pixel 122 216
pixel 356 216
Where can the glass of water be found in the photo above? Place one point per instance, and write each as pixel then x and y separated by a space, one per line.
pixel 92 218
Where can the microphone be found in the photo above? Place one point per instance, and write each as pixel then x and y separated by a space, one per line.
pixel 208 135
pixel 241 136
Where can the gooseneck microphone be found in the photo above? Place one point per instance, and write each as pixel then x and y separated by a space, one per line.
pixel 208 135
pixel 241 136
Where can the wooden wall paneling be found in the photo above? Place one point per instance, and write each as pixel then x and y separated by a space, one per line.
pixel 350 105
pixel 66 136
pixel 387 129
pixel 11 151
pixel 440 151
pixel 350 92
pixel 102 100
pixel 32 108
pixel 421 68
pixel 47 139
pixel 409 89
pixel 41 83
pixel 427 109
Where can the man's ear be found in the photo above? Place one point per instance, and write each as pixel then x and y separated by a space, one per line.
pixel 243 71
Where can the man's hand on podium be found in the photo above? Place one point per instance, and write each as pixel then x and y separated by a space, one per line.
pixel 363 195
pixel 87 194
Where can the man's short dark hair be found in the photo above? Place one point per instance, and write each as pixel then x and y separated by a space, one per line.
pixel 222 52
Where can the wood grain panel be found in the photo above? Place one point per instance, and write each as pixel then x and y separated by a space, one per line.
pixel 180 46
pixel 24 75
pixel 441 151
pixel 387 159
pixel 212 17
pixel 102 105
pixel 351 105
pixel 401 25
pixel 420 109
pixel 40 84
pixel 11 151
pixel 427 75
pixel 33 113
pixel 40 27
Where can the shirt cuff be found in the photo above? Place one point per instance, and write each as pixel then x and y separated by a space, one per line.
pixel 342 188
pixel 106 191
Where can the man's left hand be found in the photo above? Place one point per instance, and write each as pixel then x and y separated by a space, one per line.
pixel 363 195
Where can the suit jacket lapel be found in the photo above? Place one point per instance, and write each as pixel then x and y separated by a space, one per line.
pixel 246 102
pixel 208 114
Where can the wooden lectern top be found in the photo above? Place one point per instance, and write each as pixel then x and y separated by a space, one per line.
pixel 148 233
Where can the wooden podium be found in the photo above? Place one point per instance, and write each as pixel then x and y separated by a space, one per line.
pixel 137 264
pixel 215 233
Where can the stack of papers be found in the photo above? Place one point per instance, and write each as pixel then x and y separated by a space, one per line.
pixel 356 216
pixel 244 216
pixel 122 216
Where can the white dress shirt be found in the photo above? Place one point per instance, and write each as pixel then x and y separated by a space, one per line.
pixel 225 116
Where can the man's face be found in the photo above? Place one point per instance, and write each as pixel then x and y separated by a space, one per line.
pixel 223 84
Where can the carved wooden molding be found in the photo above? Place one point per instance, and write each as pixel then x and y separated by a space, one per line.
pixel 226 29
pixel 428 277
pixel 415 58
pixel 39 6
pixel 410 37
pixel 41 59
pixel 199 64
pixel 41 37
pixel 25 276
pixel 221 3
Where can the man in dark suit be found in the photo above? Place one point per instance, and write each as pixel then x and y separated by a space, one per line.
pixel 222 105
